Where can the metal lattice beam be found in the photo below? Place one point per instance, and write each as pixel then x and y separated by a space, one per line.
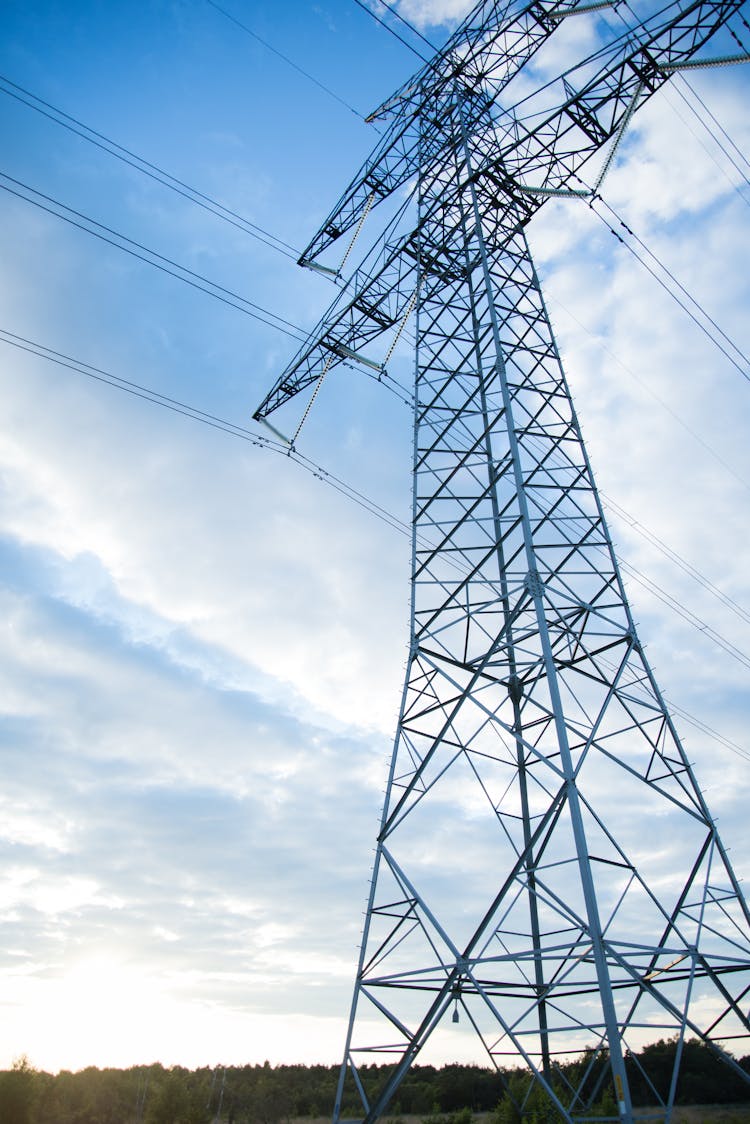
pixel 528 699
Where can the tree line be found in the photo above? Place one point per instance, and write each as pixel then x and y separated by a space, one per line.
pixel 265 1094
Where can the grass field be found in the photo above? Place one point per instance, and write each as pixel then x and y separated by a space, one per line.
pixel 686 1114
pixel 712 1114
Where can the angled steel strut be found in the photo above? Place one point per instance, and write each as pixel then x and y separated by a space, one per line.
pixel 547 873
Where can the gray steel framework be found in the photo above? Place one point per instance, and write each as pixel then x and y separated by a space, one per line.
pixel 561 918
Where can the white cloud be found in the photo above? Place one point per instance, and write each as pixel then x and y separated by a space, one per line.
pixel 433 13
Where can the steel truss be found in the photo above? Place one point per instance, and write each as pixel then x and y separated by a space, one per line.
pixel 510 891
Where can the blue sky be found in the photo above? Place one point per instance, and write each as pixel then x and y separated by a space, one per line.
pixel 201 643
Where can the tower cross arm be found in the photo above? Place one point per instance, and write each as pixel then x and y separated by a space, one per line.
pixel 490 47
pixel 509 157
pixel 547 154
pixel 375 302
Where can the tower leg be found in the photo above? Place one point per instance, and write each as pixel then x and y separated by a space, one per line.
pixel 537 786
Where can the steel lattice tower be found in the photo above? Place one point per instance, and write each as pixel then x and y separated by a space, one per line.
pixel 553 924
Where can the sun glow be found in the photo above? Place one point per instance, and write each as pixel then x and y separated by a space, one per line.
pixel 98 1013
pixel 103 1013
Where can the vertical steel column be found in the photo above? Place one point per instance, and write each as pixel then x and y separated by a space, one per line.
pixel 617 1061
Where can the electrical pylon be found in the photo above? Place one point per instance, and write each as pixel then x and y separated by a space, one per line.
pixel 547 873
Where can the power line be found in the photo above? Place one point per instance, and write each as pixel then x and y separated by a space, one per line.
pixel 712 133
pixel 127 386
pixel 388 27
pixel 140 164
pixel 394 11
pixel 720 128
pixel 286 59
pixel 363 501
pixel 677 559
pixel 686 614
pixel 182 407
pixel 686 567
pixel 744 365
pixel 706 729
pixel 691 300
pixel 733 747
pixel 715 138
pixel 682 79
pixel 660 593
pixel 174 405
pixel 181 273
pixel 151 257
pixel 165 178
pixel 228 297
pixel 657 397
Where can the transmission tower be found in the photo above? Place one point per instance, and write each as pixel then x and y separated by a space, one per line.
pixel 561 923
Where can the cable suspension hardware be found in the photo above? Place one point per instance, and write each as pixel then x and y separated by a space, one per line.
pixel 360 224
pixel 409 309
pixel 309 406
pixel 705 64
pixel 584 9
